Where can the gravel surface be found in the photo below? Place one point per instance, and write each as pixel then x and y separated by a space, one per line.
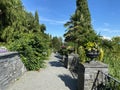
pixel 53 77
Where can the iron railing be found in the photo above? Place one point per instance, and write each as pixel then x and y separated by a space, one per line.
pixel 105 82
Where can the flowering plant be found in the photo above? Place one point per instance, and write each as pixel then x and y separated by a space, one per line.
pixel 92 50
pixel 91 47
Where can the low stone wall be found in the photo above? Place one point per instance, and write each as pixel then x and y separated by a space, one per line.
pixel 11 68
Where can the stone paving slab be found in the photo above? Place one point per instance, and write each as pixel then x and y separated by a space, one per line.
pixel 53 77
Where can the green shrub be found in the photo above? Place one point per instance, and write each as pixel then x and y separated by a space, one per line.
pixel 31 48
pixel 63 50
pixel 113 61
pixel 81 53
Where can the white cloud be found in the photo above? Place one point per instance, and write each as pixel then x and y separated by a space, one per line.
pixel 108 33
pixel 105 37
pixel 111 30
pixel 52 21
pixel 108 30
pixel 106 24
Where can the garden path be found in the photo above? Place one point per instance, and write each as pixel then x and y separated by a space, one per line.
pixel 53 77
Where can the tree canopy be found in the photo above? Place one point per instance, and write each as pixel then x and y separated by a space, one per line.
pixel 79 28
pixel 21 31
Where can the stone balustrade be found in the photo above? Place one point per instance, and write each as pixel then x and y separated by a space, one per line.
pixel 86 72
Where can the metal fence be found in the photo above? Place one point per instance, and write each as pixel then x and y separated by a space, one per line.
pixel 105 82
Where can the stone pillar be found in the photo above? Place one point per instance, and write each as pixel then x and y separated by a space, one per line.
pixel 66 61
pixel 87 73
pixel 81 71
pixel 70 58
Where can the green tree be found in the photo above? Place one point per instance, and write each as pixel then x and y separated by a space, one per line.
pixel 36 17
pixel 21 31
pixel 56 43
pixel 116 44
pixel 43 28
pixel 79 27
pixel 12 16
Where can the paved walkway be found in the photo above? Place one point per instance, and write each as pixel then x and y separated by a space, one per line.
pixel 53 77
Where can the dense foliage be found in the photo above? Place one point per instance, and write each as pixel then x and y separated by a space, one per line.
pixel 21 31
pixel 56 43
pixel 79 32
pixel 112 55
pixel 79 28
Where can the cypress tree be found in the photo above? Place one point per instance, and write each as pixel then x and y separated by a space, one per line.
pixel 79 26
pixel 84 30
pixel 36 17
pixel 82 13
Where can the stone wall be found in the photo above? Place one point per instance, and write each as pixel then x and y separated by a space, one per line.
pixel 87 73
pixel 11 68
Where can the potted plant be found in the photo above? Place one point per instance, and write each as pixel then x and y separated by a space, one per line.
pixel 92 50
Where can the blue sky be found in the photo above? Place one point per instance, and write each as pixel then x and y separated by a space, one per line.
pixel 55 13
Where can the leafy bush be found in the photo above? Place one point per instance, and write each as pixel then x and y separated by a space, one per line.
pixel 113 60
pixel 21 31
pixel 63 50
pixel 31 48
pixel 81 53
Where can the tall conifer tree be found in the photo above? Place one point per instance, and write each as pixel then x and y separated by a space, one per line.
pixel 79 26
pixel 36 17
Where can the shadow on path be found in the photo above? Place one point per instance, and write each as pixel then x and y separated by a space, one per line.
pixel 56 64
pixel 70 82
pixel 59 57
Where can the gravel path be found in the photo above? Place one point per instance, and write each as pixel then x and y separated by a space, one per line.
pixel 53 77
